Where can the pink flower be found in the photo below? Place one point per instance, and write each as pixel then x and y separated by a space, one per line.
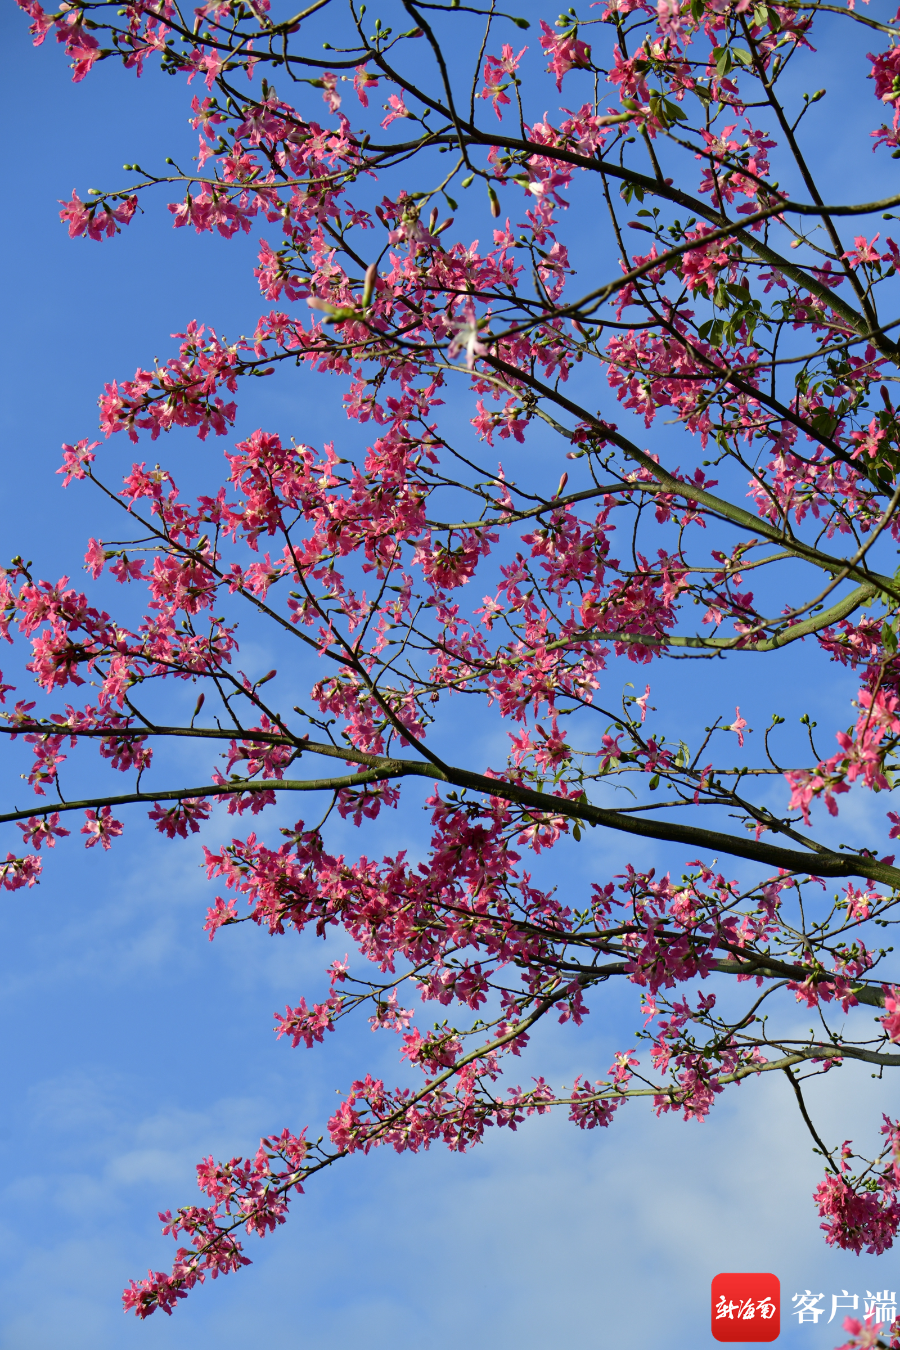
pixel 496 76
pixel 566 53
pixel 41 23
pixel 329 91
pixel 18 872
pixel 738 725
pixel 95 558
pixel 222 913
pixel 85 50
pixel 864 252
pixel 76 213
pixel 75 458
pixel 100 827
pixel 891 1019
pixel 124 570
pixel 41 829
pixel 362 82
pixel 188 814
pixel 395 107
pixel 466 338
pixel 209 61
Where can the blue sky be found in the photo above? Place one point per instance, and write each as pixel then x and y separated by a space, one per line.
pixel 131 1046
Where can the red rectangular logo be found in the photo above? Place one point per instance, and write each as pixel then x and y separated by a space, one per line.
pixel 746 1307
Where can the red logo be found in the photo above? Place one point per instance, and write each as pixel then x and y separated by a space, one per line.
pixel 746 1307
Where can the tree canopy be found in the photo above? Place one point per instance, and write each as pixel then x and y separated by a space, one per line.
pixel 700 447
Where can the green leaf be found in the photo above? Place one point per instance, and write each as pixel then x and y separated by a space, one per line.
pixel 823 421
pixel 724 63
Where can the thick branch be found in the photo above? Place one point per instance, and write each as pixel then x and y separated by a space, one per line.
pixel 378 768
